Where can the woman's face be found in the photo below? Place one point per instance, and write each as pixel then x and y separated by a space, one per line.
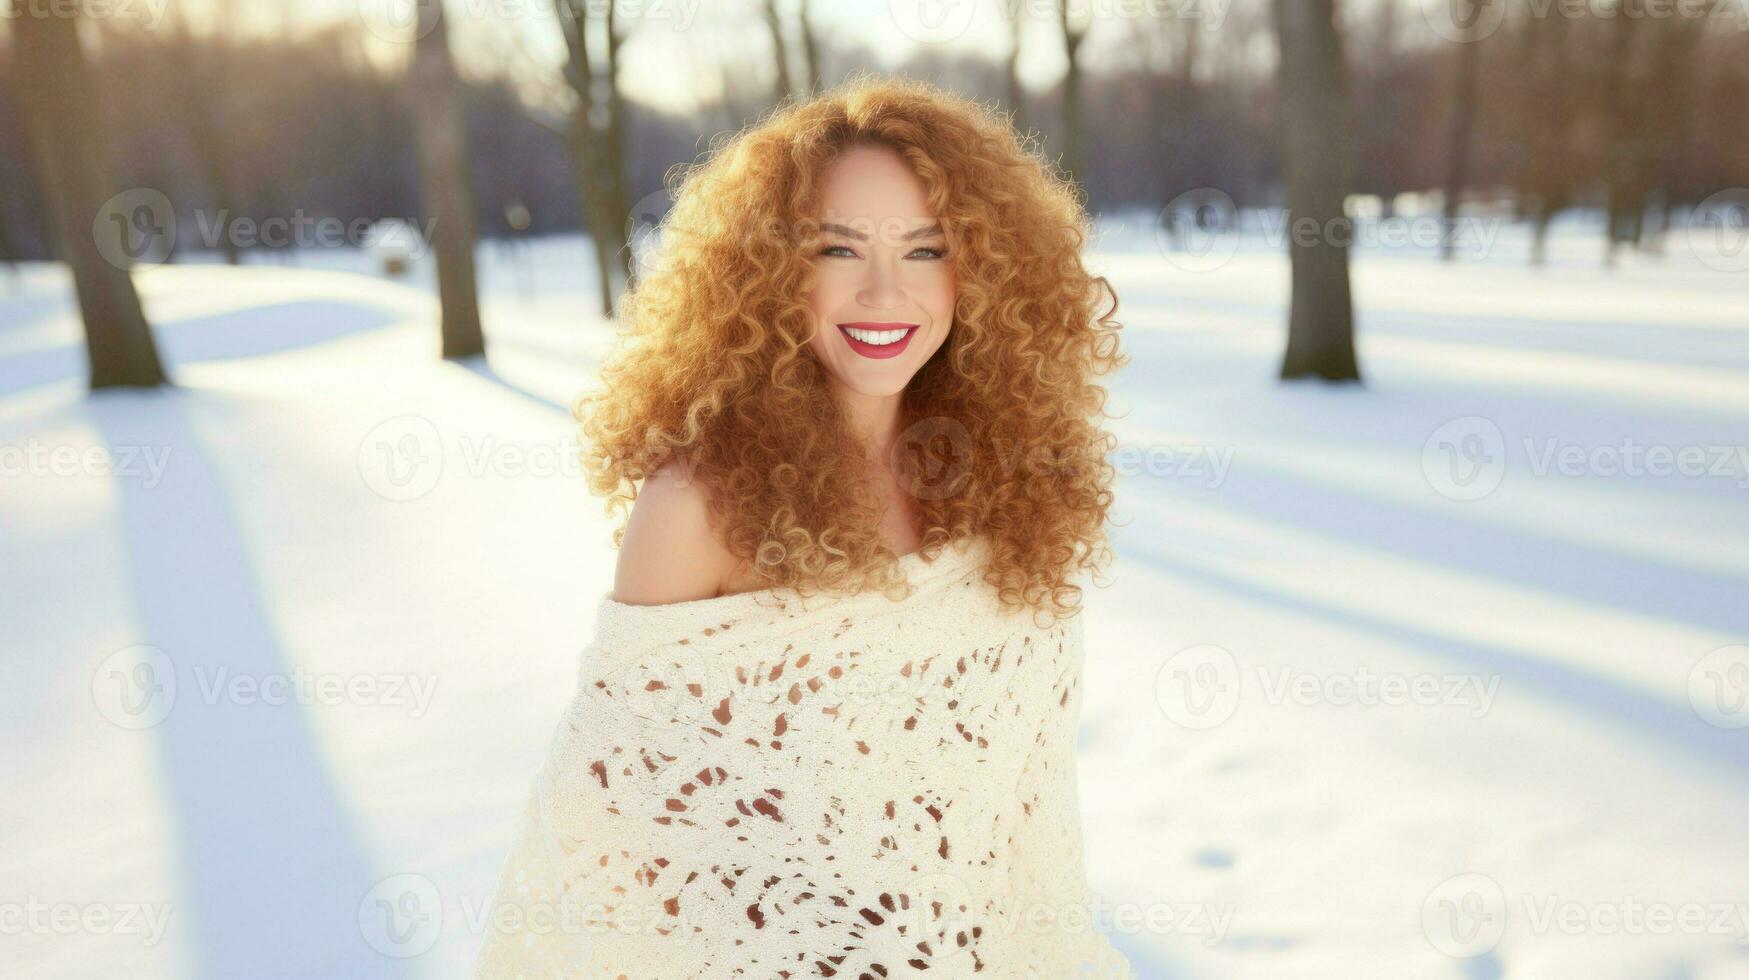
pixel 883 290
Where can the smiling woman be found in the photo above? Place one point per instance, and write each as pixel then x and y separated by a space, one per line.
pixel 883 285
pixel 827 722
pixel 867 330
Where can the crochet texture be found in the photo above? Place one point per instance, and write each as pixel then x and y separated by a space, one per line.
pixel 762 785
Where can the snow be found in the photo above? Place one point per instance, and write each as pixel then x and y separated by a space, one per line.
pixel 1427 678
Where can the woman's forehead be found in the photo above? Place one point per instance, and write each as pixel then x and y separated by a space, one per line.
pixel 874 183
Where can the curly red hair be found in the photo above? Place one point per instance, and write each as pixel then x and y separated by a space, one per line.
pixel 1000 426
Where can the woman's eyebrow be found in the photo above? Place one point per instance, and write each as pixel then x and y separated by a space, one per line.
pixel 859 236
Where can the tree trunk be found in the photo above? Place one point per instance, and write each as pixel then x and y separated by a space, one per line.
pixel 779 52
pixel 62 111
pixel 1463 124
pixel 1619 147
pixel 619 201
pixel 447 183
pixel 1073 35
pixel 1016 95
pixel 598 151
pixel 810 50
pixel 200 89
pixel 1315 148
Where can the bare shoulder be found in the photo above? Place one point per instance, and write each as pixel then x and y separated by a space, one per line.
pixel 670 552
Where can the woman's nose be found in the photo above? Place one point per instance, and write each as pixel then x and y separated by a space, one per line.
pixel 880 288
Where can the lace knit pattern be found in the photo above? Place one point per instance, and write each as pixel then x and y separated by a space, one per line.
pixel 761 785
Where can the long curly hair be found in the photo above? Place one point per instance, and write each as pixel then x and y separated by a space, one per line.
pixel 1000 439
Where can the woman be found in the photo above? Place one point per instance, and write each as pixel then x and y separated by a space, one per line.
pixel 826 724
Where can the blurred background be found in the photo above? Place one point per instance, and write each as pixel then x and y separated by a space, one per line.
pixel 1426 653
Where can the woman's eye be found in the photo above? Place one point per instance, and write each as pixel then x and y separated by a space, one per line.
pixel 834 250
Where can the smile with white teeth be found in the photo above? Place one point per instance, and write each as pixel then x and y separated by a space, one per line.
pixel 879 338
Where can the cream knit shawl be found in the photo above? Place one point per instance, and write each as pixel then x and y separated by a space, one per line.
pixel 762 785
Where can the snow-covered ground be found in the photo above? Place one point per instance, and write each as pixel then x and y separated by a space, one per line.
pixel 1444 676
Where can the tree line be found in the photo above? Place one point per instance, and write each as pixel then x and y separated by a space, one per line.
pixel 1550 107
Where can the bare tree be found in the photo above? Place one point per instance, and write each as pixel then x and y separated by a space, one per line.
pixel 810 49
pixel 599 149
pixel 1676 53
pixel 1624 99
pixel 1467 61
pixel 1546 117
pixel 783 88
pixel 1016 13
pixel 1315 151
pixel 63 115
pixel 447 182
pixel 1174 111
pixel 202 86
pixel 1074 32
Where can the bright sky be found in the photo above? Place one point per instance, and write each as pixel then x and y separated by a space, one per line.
pixel 673 57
